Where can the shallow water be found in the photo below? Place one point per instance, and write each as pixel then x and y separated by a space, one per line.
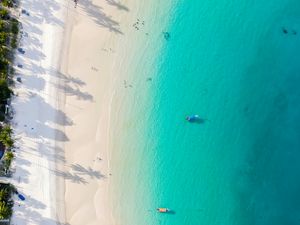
pixel 231 63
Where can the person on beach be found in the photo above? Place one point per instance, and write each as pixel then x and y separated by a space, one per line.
pixel 75 1
pixel 284 30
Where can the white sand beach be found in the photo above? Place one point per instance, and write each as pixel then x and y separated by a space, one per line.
pixel 70 68
pixel 91 54
pixel 37 117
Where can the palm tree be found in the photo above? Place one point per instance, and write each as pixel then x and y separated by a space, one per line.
pixel 5 137
pixel 5 210
pixel 8 3
pixel 9 155
pixel 4 194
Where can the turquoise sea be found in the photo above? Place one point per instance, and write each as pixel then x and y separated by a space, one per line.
pixel 237 65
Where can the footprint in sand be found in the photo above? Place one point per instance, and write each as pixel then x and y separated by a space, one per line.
pixel 94 68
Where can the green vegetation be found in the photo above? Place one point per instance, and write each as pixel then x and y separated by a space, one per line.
pixel 6 202
pixel 5 136
pixel 4 14
pixel 8 3
pixel 5 91
pixel 6 162
pixel 3 38
pixel 9 31
pixel 15 26
pixel 15 32
pixel 9 156
pixel 5 210
pixel 7 142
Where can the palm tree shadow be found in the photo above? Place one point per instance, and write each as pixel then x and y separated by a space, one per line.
pixel 87 171
pixel 68 78
pixel 100 17
pixel 44 15
pixel 72 177
pixel 117 4
pixel 71 86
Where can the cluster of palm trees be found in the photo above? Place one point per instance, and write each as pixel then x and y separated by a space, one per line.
pixel 9 29
pixel 6 190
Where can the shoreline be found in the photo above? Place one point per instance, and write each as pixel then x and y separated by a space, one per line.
pixel 100 63
pixel 72 86
pixel 95 74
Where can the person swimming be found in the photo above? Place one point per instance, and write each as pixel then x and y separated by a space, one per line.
pixel 284 30
pixel 167 35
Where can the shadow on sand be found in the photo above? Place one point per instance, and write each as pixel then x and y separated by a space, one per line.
pixel 41 128
pixel 118 5
pixel 87 171
pixel 99 17
pixel 77 173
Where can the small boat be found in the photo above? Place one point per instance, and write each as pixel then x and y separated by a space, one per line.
pixel 192 118
pixel 163 210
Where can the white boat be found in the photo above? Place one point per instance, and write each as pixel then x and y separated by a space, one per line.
pixel 192 118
